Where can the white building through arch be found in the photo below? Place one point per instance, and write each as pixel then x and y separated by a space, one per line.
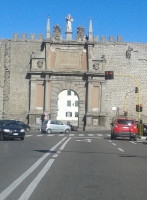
pixel 67 110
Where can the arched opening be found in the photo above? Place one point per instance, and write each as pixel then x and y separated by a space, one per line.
pixel 68 107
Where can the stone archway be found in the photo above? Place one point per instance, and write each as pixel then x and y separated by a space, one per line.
pixel 79 88
pixel 67 110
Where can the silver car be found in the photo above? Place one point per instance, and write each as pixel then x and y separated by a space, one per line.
pixel 50 126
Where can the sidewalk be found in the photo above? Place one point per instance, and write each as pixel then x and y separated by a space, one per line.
pixel 142 137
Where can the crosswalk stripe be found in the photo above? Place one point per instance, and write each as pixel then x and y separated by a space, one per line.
pixel 99 135
pixel 90 134
pixel 81 134
pixel 71 134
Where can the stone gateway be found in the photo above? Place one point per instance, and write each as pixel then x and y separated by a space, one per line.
pixel 33 72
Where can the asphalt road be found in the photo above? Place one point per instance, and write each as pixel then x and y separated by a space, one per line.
pixel 78 166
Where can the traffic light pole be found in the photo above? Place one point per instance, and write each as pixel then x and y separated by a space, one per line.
pixel 139 113
pixel 125 100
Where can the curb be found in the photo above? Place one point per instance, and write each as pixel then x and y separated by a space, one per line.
pixel 142 137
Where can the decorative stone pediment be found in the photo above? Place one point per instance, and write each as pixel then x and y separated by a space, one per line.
pixel 80 33
pixel 57 32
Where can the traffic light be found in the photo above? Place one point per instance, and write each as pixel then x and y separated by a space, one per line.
pixel 136 89
pixel 139 108
pixel 125 113
pixel 109 75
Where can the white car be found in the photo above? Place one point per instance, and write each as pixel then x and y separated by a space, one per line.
pixel 50 126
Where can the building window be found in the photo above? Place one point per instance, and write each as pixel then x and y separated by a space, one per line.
pixel 76 114
pixel 76 103
pixel 68 114
pixel 69 92
pixel 68 103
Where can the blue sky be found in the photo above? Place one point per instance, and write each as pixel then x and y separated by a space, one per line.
pixel 127 18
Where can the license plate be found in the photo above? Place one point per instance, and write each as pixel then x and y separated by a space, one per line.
pixel 15 133
pixel 125 127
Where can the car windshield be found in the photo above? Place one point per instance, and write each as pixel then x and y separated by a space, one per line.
pixel 128 122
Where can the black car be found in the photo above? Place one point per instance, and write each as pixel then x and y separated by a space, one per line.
pixel 25 126
pixel 10 129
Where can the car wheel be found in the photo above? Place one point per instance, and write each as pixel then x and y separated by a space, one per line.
pixel 1 137
pixel 135 138
pixel 67 131
pixel 22 138
pixel 49 131
pixel 113 137
pixel 131 138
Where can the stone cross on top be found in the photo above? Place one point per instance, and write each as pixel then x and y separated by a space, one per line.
pixel 69 19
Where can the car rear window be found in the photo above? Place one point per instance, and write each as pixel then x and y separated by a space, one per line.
pixel 45 122
pixel 122 121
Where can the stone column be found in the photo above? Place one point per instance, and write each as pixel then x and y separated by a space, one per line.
pixel 102 102
pixel 33 96
pixel 47 97
pixel 89 107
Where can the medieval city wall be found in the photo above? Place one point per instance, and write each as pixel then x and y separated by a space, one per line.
pixel 135 65
pixel 15 56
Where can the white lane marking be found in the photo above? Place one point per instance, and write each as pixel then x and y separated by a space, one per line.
pixel 16 183
pixel 113 144
pixel 90 134
pixel 81 134
pixel 62 147
pixel 50 135
pixel 27 193
pixel 71 134
pixel 55 155
pixel 85 140
pixel 100 135
pixel 28 135
pixel 120 149
pixel 109 141
pixel 39 135
pixel 132 142
pixel 108 134
pixel 61 134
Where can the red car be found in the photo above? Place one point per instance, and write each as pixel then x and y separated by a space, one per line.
pixel 123 127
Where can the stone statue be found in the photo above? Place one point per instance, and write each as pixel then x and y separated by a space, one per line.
pixel 128 52
pixel 69 19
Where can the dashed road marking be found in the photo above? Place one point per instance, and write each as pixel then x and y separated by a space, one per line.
pixel 132 142
pixel 120 149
